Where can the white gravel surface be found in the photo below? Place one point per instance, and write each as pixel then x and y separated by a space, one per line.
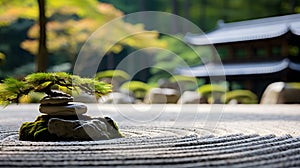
pixel 165 136
pixel 218 120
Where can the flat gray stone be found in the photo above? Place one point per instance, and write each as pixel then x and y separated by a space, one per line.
pixel 56 93
pixel 72 108
pixel 78 129
pixel 56 100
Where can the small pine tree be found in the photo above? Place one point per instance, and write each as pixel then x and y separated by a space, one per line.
pixel 12 89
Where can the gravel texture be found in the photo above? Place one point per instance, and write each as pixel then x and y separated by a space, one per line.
pixel 165 136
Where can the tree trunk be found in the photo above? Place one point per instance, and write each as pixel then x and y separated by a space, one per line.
pixel 175 10
pixel 186 9
pixel 224 11
pixel 142 5
pixel 41 58
pixel 292 6
pixel 203 15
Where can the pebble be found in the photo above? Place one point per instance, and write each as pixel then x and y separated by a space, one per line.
pixel 72 108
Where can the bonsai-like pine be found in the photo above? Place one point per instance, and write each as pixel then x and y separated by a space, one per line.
pixel 12 89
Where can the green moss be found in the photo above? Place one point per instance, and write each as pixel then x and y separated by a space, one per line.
pixel 25 131
pixel 114 129
pixel 242 96
pixel 40 132
pixel 36 131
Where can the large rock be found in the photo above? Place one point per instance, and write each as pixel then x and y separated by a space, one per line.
pixel 191 97
pixel 78 129
pixel 72 108
pixel 161 96
pixel 117 98
pixel 94 129
pixel 69 128
pixel 281 93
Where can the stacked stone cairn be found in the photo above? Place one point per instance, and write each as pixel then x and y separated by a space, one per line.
pixel 64 120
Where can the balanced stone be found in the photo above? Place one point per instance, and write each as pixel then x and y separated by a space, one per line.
pixel 78 129
pixel 56 93
pixel 72 108
pixel 56 100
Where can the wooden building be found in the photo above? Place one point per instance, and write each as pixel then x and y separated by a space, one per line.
pixel 254 53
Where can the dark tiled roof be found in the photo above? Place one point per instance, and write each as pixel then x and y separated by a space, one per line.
pixel 238 69
pixel 249 30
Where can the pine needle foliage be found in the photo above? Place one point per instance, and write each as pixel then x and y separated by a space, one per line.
pixel 12 89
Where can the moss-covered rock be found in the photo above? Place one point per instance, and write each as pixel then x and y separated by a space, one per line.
pixel 38 130
pixel 113 128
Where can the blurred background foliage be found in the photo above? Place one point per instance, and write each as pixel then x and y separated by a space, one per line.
pixel 205 13
pixel 70 23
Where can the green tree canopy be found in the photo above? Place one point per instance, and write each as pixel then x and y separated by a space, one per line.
pixel 12 89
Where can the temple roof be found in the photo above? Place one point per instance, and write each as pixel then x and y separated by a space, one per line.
pixel 248 30
pixel 232 69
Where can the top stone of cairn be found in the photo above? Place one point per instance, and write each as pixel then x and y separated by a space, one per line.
pixel 61 104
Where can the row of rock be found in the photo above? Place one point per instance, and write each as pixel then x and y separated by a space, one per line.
pixel 64 120
pixel 155 96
